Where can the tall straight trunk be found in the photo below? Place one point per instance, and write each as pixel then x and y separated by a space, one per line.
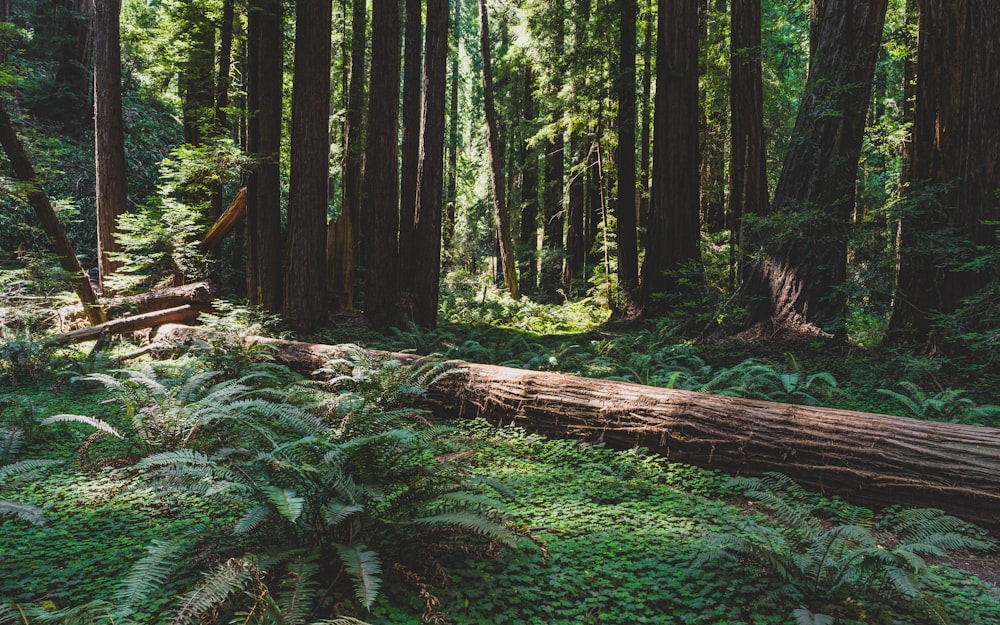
pixel 341 245
pixel 804 264
pixel 576 199
pixel 595 207
pixel 507 256
pixel 380 222
pixel 528 235
pixel 309 185
pixel 109 132
pixel 225 78
pixel 715 109
pixel 955 166
pixel 554 214
pixel 451 181
pixel 50 222
pixel 647 116
pixel 747 168
pixel 430 175
pixel 626 209
pixel 410 145
pixel 264 101
pixel 673 219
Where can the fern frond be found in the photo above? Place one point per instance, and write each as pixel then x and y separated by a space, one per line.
pixel 150 572
pixel 472 522
pixel 11 440
pixel 252 519
pixel 97 424
pixel 285 502
pixel 25 512
pixel 218 586
pixel 364 567
pixel 335 512
pixel 25 467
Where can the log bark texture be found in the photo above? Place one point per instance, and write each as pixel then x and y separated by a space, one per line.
pixel 176 315
pixel 198 294
pixel 226 222
pixel 870 459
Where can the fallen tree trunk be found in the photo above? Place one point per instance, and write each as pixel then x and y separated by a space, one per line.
pixel 198 294
pixel 178 314
pixel 870 459
pixel 226 222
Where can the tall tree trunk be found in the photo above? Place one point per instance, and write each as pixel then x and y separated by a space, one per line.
pixel 573 267
pixel 647 116
pixel 430 174
pixel 747 168
pixel 714 109
pixel 554 214
pixel 528 234
pixel 197 72
pixel 955 165
pixel 305 264
pixel 451 183
pixel 800 277
pixel 264 101
pixel 507 256
pixel 380 224
pixel 72 75
pixel 626 210
pixel 341 243
pixel 50 222
pixel 673 220
pixel 410 148
pixel 225 78
pixel 109 132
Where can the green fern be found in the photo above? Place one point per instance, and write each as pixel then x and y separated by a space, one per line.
pixel 25 512
pixel 151 572
pixel 216 588
pixel 365 569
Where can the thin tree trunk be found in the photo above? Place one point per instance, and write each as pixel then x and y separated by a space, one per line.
pixel 50 222
pixel 554 214
pixel 109 133
pixel 507 256
pixel 647 116
pixel 305 264
pixel 341 243
pixel 410 147
pixel 380 225
pixel 430 173
pixel 528 235
pixel 870 459
pixel 626 210
pixel 451 184
pixel 225 78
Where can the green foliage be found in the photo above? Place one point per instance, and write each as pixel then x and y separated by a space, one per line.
pixel 950 405
pixel 834 569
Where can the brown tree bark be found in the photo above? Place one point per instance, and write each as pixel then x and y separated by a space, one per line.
pixel 451 173
pixel 508 259
pixel 799 279
pixel 426 259
pixel 648 43
pixel 341 243
pixel 225 78
pixel 626 211
pixel 954 168
pixel 305 261
pixel 264 101
pixel 228 220
pixel 409 149
pixel 673 233
pixel 528 232
pixel 747 162
pixel 180 314
pixel 47 216
pixel 198 294
pixel 380 225
pixel 870 459
pixel 109 132
pixel 553 209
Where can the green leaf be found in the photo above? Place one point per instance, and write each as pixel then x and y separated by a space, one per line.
pixel 285 502
pixel 365 568
pixel 97 424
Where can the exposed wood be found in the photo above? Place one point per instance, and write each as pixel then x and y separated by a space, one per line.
pixel 199 294
pixel 178 314
pixel 869 458
pixel 47 216
pixel 226 222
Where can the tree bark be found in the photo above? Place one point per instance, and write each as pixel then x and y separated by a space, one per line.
pixel 305 264
pixel 500 215
pixel 554 213
pixel 180 314
pixel 804 264
pixel 380 226
pixel 673 233
pixel 451 181
pixel 197 76
pixel 626 214
pixel 409 149
pixel 109 132
pixel 50 222
pixel 871 459
pixel 198 294
pixel 528 234
pixel 228 220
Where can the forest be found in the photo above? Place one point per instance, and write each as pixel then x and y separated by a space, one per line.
pixel 499 311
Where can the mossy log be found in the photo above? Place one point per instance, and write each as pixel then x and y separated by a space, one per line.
pixel 867 458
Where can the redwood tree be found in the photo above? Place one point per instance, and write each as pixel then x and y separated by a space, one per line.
pixel 409 150
pixel 803 264
pixel 673 234
pixel 305 265
pixel 625 209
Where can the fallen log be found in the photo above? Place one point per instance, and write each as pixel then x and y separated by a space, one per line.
pixel 867 458
pixel 198 294
pixel 226 222
pixel 178 314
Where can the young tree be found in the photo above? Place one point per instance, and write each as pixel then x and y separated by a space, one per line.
pixel 800 275
pixel 955 167
pixel 305 265
pixel 109 132
pixel 451 181
pixel 341 244
pixel 673 220
pixel 528 235
pixel 264 103
pixel 500 215
pixel 430 174
pixel 380 225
